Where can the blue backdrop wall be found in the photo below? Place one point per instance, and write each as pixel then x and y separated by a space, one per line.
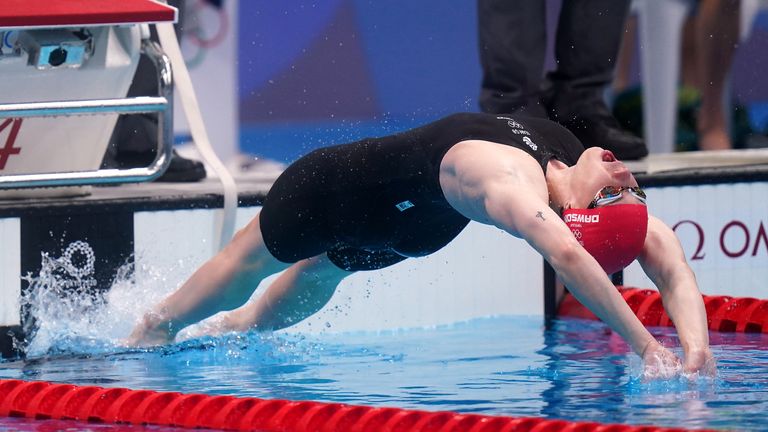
pixel 314 73
pixel 319 73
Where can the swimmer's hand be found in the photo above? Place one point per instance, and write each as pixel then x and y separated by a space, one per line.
pixel 659 362
pixel 700 361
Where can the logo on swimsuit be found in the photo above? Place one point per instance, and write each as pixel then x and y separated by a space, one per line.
pixel 578 235
pixel 571 217
pixel 405 205
pixel 530 143
pixel 517 128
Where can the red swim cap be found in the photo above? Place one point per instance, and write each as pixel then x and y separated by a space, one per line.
pixel 614 235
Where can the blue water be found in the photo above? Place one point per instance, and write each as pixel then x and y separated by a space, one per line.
pixel 575 370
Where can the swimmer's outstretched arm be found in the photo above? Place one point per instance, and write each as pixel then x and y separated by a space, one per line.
pixel 527 215
pixel 576 268
pixel 496 185
pixel 664 262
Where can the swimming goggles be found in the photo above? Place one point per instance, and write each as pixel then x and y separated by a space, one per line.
pixel 610 194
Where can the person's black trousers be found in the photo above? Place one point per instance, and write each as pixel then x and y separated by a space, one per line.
pixel 512 37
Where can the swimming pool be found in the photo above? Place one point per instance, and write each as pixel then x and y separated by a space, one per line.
pixel 496 366
pixel 574 370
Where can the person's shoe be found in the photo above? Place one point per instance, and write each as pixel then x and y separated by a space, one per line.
pixel 179 170
pixel 602 130
pixel 584 112
pixel 182 170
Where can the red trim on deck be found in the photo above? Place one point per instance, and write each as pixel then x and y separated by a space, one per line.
pixel 71 13
pixel 43 400
pixel 724 313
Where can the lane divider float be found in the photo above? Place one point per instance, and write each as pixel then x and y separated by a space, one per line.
pixel 724 313
pixel 45 400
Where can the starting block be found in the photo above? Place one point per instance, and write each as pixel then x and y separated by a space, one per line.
pixel 66 66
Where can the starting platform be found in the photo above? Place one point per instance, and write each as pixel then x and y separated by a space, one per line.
pixel 26 14
pixel 67 66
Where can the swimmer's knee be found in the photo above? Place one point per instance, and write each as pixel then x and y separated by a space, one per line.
pixel 247 248
pixel 245 238
pixel 252 231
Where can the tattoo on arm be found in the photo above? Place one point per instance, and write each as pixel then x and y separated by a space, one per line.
pixel 540 215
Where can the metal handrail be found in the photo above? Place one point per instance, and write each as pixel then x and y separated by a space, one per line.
pixel 137 105
pixel 162 104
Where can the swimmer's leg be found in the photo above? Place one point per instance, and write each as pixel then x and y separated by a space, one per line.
pixel 303 289
pixel 225 282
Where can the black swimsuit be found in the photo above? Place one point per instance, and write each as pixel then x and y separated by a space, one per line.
pixel 374 202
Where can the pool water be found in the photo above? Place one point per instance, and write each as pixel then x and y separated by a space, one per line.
pixel 575 370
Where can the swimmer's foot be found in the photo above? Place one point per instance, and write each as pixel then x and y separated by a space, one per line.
pixel 149 332
pixel 211 327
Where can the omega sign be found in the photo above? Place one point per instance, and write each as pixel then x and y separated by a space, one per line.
pixel 735 239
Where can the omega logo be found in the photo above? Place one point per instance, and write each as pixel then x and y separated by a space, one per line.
pixel 736 239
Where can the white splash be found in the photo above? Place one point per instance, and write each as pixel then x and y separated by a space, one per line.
pixel 72 313
pixel 661 367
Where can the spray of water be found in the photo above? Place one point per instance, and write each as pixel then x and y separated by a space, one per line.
pixel 71 313
pixel 660 375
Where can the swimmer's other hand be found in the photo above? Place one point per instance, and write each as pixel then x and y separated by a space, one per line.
pixel 660 363
pixel 701 362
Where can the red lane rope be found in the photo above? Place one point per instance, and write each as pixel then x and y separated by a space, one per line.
pixel 724 313
pixel 45 400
